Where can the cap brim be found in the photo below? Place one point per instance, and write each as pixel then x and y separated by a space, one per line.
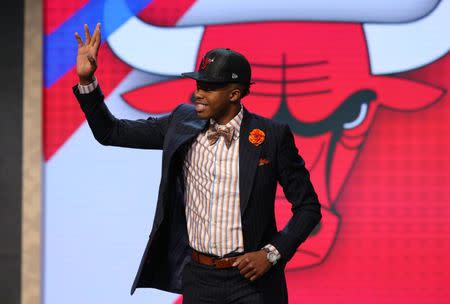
pixel 199 77
pixel 193 75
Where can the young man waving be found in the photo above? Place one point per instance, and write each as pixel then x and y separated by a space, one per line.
pixel 214 236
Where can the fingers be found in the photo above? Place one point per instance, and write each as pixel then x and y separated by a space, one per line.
pixel 97 38
pixel 252 265
pixel 78 38
pixel 87 34
pixel 246 268
pixel 250 272
pixel 243 264
pixel 238 261
pixel 94 41
pixel 255 277
pixel 241 261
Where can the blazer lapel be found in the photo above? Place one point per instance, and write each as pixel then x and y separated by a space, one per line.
pixel 186 131
pixel 248 152
pixel 248 159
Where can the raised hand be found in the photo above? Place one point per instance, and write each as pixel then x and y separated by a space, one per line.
pixel 87 54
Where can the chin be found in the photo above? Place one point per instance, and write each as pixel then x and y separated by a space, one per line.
pixel 203 115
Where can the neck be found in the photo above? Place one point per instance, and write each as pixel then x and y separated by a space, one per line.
pixel 227 117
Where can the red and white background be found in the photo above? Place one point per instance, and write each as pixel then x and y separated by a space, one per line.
pixel 363 85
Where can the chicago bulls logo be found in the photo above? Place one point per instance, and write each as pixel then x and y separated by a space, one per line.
pixel 327 83
pixel 205 62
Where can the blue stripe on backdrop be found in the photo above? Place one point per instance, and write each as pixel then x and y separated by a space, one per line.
pixel 60 47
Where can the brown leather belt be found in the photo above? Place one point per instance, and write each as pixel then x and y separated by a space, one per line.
pixel 211 261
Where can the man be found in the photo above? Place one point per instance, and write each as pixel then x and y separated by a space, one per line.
pixel 214 236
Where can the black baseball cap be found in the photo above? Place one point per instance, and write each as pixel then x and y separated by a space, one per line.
pixel 222 66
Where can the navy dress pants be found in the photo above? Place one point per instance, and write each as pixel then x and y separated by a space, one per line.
pixel 204 284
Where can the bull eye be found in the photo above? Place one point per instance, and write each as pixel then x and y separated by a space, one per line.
pixel 350 114
pixel 363 110
pixel 353 111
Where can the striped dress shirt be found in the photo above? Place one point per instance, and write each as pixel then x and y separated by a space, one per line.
pixel 211 176
pixel 212 203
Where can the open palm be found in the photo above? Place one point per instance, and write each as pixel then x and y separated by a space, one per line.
pixel 87 54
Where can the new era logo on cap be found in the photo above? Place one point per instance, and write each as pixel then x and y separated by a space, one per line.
pixel 222 66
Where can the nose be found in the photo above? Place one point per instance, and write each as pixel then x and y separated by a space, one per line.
pixel 199 93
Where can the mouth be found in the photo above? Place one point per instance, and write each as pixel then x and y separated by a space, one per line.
pixel 200 106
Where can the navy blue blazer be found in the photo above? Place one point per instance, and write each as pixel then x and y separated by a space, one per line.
pixel 167 250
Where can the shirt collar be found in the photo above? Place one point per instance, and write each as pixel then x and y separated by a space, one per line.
pixel 235 123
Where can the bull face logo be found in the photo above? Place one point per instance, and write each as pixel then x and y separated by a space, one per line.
pixel 320 78
pixel 205 62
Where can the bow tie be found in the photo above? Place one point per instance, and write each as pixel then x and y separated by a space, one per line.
pixel 214 133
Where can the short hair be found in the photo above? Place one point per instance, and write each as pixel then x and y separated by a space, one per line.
pixel 244 88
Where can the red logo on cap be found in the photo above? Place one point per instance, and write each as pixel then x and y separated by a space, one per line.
pixel 205 63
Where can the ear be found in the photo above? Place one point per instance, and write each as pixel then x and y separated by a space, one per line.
pixel 235 95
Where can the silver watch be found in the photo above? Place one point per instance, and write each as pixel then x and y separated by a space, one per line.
pixel 271 256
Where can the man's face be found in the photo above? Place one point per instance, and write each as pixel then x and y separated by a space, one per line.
pixel 216 101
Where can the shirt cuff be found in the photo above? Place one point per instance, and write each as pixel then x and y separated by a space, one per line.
pixel 89 88
pixel 274 250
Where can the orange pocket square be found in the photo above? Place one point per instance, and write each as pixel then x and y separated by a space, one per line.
pixel 263 161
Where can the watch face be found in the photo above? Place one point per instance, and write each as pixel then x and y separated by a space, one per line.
pixel 271 256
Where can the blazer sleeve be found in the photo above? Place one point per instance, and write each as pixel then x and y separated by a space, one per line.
pixel 108 130
pixel 299 191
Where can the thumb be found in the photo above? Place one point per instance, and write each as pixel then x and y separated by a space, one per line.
pixel 92 61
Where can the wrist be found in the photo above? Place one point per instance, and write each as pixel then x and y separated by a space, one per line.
pixel 89 87
pixel 272 254
pixel 87 80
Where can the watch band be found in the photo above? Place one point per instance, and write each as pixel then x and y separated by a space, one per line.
pixel 272 254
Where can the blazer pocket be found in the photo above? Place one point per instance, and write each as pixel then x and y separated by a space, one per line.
pixel 263 162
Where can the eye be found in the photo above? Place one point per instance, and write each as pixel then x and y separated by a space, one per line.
pixel 205 88
pixel 363 109
pixel 350 114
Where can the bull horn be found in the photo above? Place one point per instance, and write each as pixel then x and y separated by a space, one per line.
pixel 395 48
pixel 153 49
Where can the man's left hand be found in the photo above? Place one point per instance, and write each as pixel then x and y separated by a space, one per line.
pixel 253 265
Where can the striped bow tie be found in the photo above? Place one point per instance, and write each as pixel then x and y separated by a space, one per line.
pixel 214 133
